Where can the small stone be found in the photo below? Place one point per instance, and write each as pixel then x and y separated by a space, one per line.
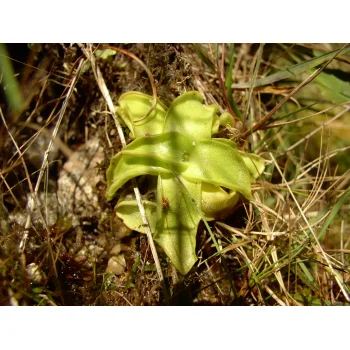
pixel 34 273
pixel 116 265
pixel 95 250
pixel 77 193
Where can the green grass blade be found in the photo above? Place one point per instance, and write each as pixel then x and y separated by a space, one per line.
pixel 253 80
pixel 308 277
pixel 309 301
pixel 9 81
pixel 333 89
pixel 333 213
pixel 203 55
pixel 292 71
pixel 228 82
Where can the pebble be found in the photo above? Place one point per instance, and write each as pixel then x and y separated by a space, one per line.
pixel 34 273
pixel 116 265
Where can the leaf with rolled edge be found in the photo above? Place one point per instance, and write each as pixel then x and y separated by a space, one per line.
pixel 208 161
pixel 129 212
pixel 178 220
pixel 227 142
pixel 227 119
pixel 219 164
pixel 254 163
pixel 149 155
pixel 189 116
pixel 134 106
pixel 216 203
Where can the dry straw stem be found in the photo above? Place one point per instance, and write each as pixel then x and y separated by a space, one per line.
pixel 104 90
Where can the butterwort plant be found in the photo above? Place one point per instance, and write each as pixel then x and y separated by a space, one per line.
pixel 196 177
